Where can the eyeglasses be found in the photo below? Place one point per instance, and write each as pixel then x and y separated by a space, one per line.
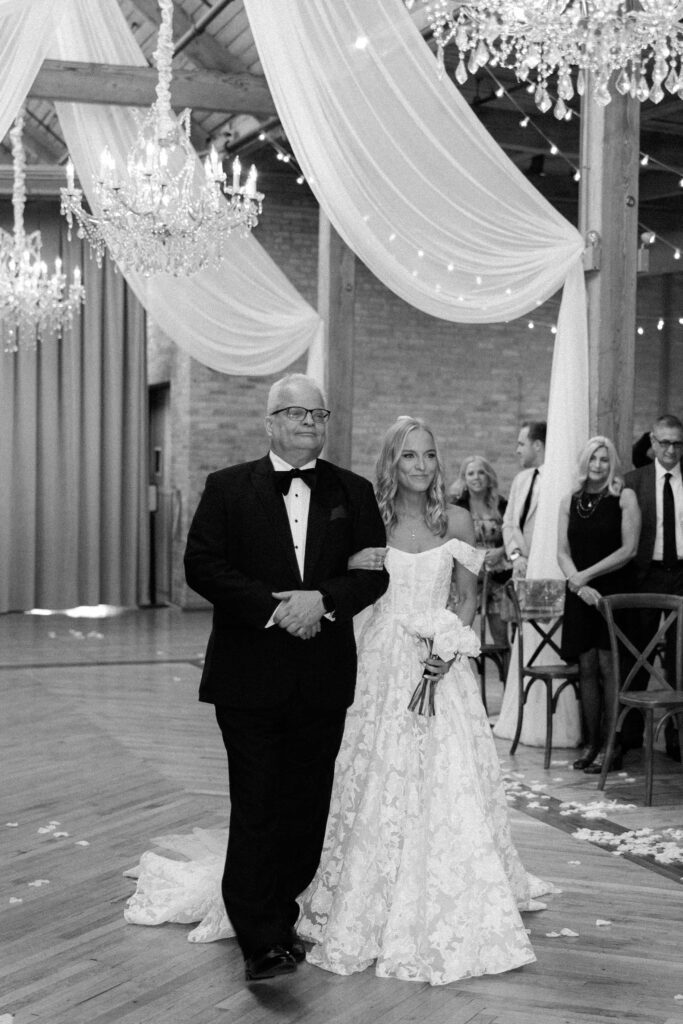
pixel 299 414
pixel 664 443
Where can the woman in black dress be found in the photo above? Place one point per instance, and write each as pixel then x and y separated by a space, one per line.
pixel 597 538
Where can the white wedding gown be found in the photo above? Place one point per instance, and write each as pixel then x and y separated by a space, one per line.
pixel 419 872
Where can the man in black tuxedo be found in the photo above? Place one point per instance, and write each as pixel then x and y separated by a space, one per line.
pixel 268 547
pixel 659 559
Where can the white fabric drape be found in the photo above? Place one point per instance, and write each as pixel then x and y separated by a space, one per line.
pixel 26 27
pixel 567 434
pixel 244 317
pixel 403 168
pixel 422 193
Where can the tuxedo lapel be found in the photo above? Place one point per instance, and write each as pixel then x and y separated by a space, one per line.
pixel 271 499
pixel 327 494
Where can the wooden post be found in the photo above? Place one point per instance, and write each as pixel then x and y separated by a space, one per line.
pixel 664 391
pixel 608 205
pixel 336 299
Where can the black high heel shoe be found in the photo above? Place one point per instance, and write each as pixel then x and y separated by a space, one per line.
pixel 587 758
pixel 615 765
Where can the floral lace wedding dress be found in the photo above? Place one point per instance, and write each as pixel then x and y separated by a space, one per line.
pixel 419 872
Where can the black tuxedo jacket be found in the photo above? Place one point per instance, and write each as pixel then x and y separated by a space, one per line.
pixel 643 482
pixel 240 550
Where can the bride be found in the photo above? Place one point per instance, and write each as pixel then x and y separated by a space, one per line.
pixel 419 873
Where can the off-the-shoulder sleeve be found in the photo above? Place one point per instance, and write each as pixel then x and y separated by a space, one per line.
pixel 471 558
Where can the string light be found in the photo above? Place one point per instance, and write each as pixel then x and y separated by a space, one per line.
pixel 526 120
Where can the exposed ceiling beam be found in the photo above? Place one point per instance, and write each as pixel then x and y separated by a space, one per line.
pixel 122 85
pixel 201 24
pixel 203 49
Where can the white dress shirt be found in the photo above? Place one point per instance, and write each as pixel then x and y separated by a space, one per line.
pixel 297 501
pixel 677 489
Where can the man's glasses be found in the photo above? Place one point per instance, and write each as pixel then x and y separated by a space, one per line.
pixel 664 443
pixel 299 414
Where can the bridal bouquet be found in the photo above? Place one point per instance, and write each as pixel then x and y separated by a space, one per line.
pixel 443 634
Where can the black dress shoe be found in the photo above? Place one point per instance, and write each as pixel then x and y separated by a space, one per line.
pixel 615 766
pixel 296 947
pixel 269 963
pixel 588 756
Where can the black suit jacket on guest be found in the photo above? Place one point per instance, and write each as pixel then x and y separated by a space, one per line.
pixel 240 550
pixel 643 482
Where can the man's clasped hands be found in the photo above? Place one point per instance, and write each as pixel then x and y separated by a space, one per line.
pixel 299 612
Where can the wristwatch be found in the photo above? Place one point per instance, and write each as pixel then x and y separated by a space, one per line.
pixel 514 555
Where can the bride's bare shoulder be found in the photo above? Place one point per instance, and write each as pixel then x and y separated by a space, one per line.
pixel 460 526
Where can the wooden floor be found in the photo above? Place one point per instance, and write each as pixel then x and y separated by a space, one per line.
pixel 104 745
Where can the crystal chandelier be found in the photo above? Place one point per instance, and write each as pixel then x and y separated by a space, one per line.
pixel 158 215
pixel 32 302
pixel 634 46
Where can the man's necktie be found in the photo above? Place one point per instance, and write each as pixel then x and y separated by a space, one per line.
pixel 283 478
pixel 527 501
pixel 669 553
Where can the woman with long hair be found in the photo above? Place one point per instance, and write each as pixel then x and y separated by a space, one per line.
pixel 476 489
pixel 419 873
pixel 598 534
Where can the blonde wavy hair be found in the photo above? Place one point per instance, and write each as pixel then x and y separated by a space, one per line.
pixel 614 481
pixel 386 487
pixel 459 486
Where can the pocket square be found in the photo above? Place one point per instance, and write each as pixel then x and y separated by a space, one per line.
pixel 338 512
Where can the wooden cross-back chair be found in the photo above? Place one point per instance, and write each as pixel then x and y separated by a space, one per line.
pixel 499 654
pixel 540 604
pixel 628 661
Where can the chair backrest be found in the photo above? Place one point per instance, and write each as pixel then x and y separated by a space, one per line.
pixel 483 607
pixel 540 603
pixel 671 608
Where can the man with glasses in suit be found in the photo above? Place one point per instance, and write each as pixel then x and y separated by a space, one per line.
pixel 659 559
pixel 268 547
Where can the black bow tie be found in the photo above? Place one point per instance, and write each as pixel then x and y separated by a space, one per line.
pixel 283 478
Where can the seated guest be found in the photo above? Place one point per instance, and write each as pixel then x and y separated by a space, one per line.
pixel 476 489
pixel 598 534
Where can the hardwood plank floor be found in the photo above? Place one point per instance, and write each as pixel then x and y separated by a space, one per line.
pixel 101 733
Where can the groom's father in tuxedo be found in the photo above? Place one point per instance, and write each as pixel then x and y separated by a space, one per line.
pixel 268 547
pixel 659 558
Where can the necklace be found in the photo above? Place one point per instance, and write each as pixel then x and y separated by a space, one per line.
pixel 415 519
pixel 588 501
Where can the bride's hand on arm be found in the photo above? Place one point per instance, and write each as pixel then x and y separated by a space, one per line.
pixel 368 558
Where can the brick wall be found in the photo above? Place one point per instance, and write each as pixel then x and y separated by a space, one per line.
pixel 473 383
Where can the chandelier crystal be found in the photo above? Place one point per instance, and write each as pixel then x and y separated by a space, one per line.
pixel 33 302
pixel 633 46
pixel 160 214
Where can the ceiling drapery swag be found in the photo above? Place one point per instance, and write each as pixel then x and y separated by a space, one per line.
pixel 423 195
pixel 243 317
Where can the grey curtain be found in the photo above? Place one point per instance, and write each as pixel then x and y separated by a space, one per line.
pixel 73 435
